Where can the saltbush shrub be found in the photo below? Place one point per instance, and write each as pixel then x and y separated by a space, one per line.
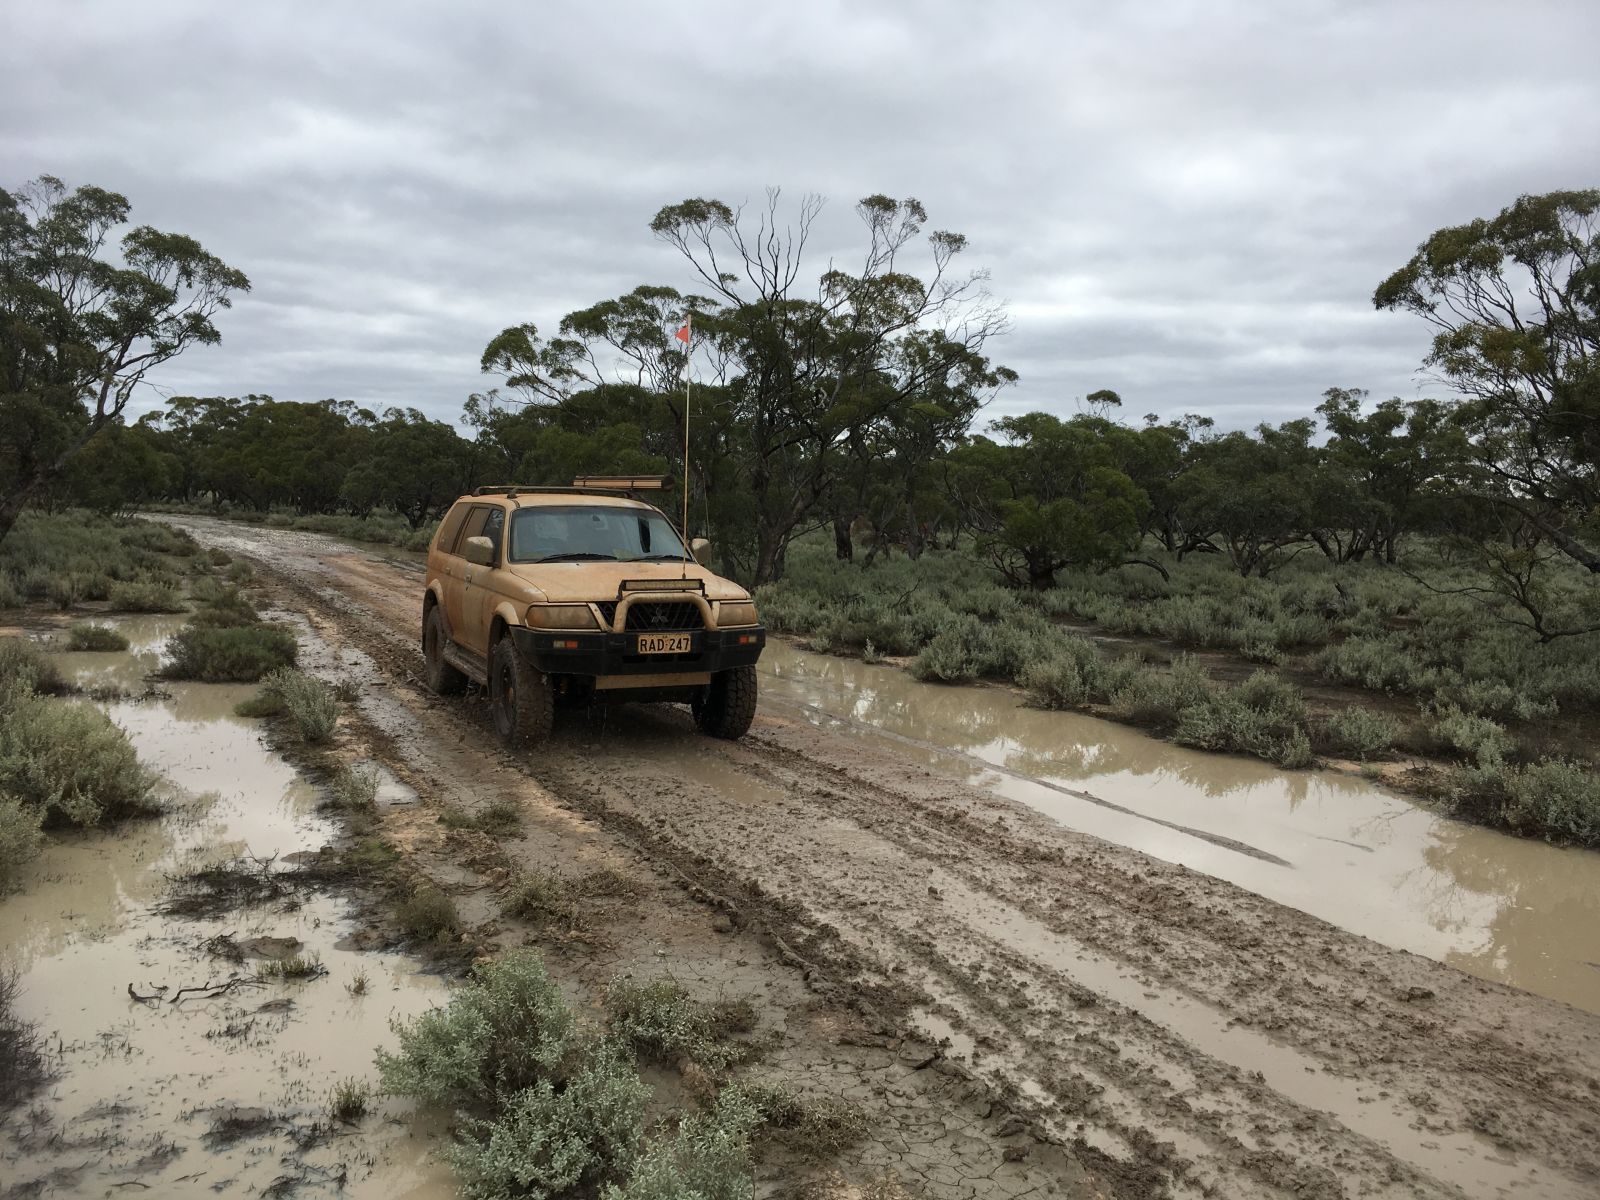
pixel 662 1023
pixel 85 635
pixel 68 760
pixel 310 704
pixel 505 1031
pixel 146 597
pixel 24 667
pixel 229 654
pixel 1554 798
pixel 1265 716
pixel 548 1143
pixel 1360 732
pixel 707 1159
pixel 20 837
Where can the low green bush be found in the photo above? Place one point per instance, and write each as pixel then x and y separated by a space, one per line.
pixel 85 635
pixel 1265 717
pixel 549 1143
pixel 707 1159
pixel 1476 739
pixel 229 654
pixel 506 1030
pixel 68 760
pixel 309 703
pixel 428 915
pixel 146 597
pixel 1552 798
pixel 1157 696
pixel 24 667
pixel 662 1023
pixel 20 837
pixel 1360 732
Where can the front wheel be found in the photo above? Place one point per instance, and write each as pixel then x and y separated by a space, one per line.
pixel 728 705
pixel 519 699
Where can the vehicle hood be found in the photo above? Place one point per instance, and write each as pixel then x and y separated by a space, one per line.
pixel 564 583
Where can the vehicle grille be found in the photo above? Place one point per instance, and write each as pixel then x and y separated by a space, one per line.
pixel 656 616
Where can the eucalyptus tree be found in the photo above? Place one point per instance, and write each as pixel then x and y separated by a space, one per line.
pixel 82 323
pixel 1514 301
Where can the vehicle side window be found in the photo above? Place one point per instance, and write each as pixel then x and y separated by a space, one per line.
pixel 450 527
pixel 494 527
pixel 473 526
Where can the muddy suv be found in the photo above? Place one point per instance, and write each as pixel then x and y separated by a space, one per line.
pixel 581 595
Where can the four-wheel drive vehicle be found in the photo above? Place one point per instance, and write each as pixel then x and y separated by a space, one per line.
pixel 581 595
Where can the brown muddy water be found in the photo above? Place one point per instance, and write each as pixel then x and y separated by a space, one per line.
pixel 144 1091
pixel 1333 845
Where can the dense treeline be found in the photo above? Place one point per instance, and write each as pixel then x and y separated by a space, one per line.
pixel 847 402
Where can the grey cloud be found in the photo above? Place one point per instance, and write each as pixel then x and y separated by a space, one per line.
pixel 1188 203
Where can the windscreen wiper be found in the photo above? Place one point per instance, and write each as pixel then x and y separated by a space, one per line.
pixel 659 558
pixel 579 556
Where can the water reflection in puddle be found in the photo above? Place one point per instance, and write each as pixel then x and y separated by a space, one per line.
pixel 1336 846
pixel 138 1083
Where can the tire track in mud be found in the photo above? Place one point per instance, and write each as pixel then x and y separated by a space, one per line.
pixel 1208 1035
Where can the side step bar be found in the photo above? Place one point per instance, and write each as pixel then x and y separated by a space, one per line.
pixel 468 663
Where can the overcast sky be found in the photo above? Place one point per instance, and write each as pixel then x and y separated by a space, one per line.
pixel 1187 202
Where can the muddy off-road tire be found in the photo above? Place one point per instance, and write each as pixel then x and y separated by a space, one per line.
pixel 439 675
pixel 728 705
pixel 520 699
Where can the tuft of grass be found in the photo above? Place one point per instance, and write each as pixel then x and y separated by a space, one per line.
pixel 354 788
pixel 85 635
pixel 348 1101
pixel 428 915
pixel 229 653
pixel 501 817
pixel 296 966
pixel 144 596
pixel 370 856
pixel 359 983
pixel 823 1126
pixel 540 896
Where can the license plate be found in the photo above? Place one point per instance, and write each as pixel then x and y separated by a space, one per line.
pixel 666 643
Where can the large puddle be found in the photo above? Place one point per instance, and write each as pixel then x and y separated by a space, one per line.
pixel 1509 909
pixel 145 1091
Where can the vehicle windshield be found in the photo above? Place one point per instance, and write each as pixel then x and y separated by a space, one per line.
pixel 584 533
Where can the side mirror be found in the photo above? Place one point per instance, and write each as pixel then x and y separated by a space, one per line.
pixel 479 550
pixel 700 547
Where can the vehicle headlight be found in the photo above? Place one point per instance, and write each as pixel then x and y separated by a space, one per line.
pixel 561 616
pixel 738 612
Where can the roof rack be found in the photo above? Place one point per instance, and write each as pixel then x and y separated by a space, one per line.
pixel 583 485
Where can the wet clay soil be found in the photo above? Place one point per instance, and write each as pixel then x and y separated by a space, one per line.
pixel 193 1095
pixel 928 871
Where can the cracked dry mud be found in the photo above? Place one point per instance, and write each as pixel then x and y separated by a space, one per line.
pixel 1109 1024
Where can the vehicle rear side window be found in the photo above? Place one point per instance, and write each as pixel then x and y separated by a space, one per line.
pixel 494 527
pixel 473 526
pixel 450 527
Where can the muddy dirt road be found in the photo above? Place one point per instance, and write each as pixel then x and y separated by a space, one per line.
pixel 1174 1033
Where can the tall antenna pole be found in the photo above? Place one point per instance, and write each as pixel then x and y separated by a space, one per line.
pixel 686 334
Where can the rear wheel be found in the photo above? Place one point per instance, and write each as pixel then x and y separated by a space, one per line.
pixel 519 698
pixel 728 704
pixel 439 675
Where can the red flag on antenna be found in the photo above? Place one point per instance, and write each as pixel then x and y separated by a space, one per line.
pixel 683 335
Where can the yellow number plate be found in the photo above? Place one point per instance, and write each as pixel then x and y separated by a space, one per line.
pixel 666 643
